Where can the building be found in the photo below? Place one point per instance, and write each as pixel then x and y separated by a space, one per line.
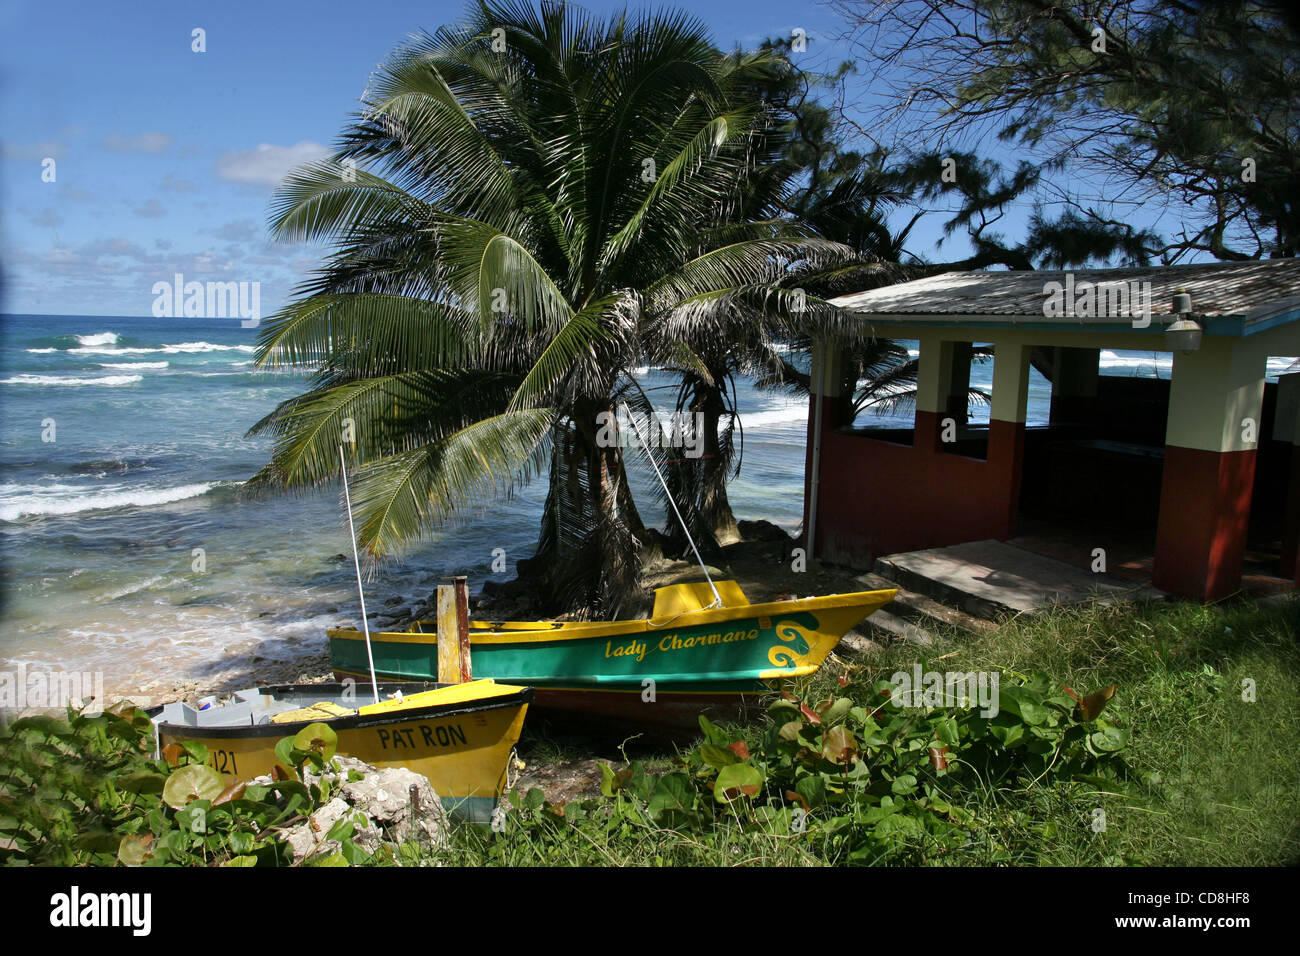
pixel 1200 469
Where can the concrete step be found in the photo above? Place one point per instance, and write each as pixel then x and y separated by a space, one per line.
pixel 921 610
pixel 855 643
pixel 992 579
pixel 890 627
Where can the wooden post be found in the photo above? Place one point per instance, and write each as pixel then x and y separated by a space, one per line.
pixel 462 626
pixel 448 636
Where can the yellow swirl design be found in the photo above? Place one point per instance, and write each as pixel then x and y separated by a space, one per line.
pixel 780 655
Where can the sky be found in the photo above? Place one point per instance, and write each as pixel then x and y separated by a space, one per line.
pixel 164 158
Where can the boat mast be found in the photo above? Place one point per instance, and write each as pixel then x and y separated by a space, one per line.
pixel 356 562
pixel 717 598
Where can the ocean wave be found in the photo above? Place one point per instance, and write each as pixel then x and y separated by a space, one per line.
pixel 59 380
pixel 787 415
pixel 42 351
pixel 187 348
pixel 30 506
pixel 133 364
pixel 130 589
pixel 207 347
pixel 99 338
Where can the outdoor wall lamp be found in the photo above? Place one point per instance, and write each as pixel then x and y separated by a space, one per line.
pixel 1184 333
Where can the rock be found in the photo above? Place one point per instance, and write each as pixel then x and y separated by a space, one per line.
pixel 403 803
pixel 379 806
pixel 310 838
pixel 302 843
pixel 393 601
pixel 763 531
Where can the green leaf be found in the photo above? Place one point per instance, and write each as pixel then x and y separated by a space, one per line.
pixel 737 780
pixel 946 730
pixel 782 710
pixel 812 789
pixel 284 753
pixel 672 791
pixel 1110 739
pixel 135 850
pixel 717 757
pixel 1023 703
pixel 839 745
pixel 790 731
pixel 197 752
pixel 319 738
pixel 191 782
pixel 837 711
pixel 712 733
pixel 334 859
pixel 903 785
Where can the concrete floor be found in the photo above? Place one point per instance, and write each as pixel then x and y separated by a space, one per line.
pixel 988 578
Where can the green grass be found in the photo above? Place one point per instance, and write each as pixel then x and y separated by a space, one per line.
pixel 1219 777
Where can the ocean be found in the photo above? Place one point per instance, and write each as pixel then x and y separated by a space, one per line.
pixel 122 452
pixel 147 416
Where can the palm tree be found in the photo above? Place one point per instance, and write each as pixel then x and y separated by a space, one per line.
pixel 842 196
pixel 523 195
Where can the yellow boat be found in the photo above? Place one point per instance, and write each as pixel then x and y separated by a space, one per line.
pixel 700 650
pixel 459 736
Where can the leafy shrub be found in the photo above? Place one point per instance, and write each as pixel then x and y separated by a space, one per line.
pixel 861 783
pixel 86 790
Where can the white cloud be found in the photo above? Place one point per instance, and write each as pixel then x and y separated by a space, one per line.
pixel 152 209
pixel 176 184
pixel 267 164
pixel 46 217
pixel 32 152
pixel 150 142
pixel 241 230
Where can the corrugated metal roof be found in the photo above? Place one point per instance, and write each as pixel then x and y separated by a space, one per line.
pixel 1251 293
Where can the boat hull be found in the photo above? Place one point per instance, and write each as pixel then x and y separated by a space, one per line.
pixel 649 672
pixel 462 747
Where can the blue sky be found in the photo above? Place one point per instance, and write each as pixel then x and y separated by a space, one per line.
pixel 166 158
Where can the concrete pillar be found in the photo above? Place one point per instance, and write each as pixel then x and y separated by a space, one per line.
pixel 1287 429
pixel 1007 427
pixel 826 370
pixel 1215 400
pixel 1075 379
pixel 933 381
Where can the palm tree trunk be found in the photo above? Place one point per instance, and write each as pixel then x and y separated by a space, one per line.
pixel 714 505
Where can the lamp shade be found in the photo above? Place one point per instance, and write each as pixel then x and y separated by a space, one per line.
pixel 1184 335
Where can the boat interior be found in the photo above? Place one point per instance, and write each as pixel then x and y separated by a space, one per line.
pixel 258 705
pixel 671 601
pixel 309 702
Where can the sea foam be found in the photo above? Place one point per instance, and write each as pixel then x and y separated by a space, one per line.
pixel 37 505
pixel 99 338
pixel 60 380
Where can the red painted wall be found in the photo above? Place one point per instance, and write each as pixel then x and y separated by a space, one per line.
pixel 877 498
pixel 1204 516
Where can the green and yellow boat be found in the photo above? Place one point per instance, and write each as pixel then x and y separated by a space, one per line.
pixel 459 736
pixel 696 653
